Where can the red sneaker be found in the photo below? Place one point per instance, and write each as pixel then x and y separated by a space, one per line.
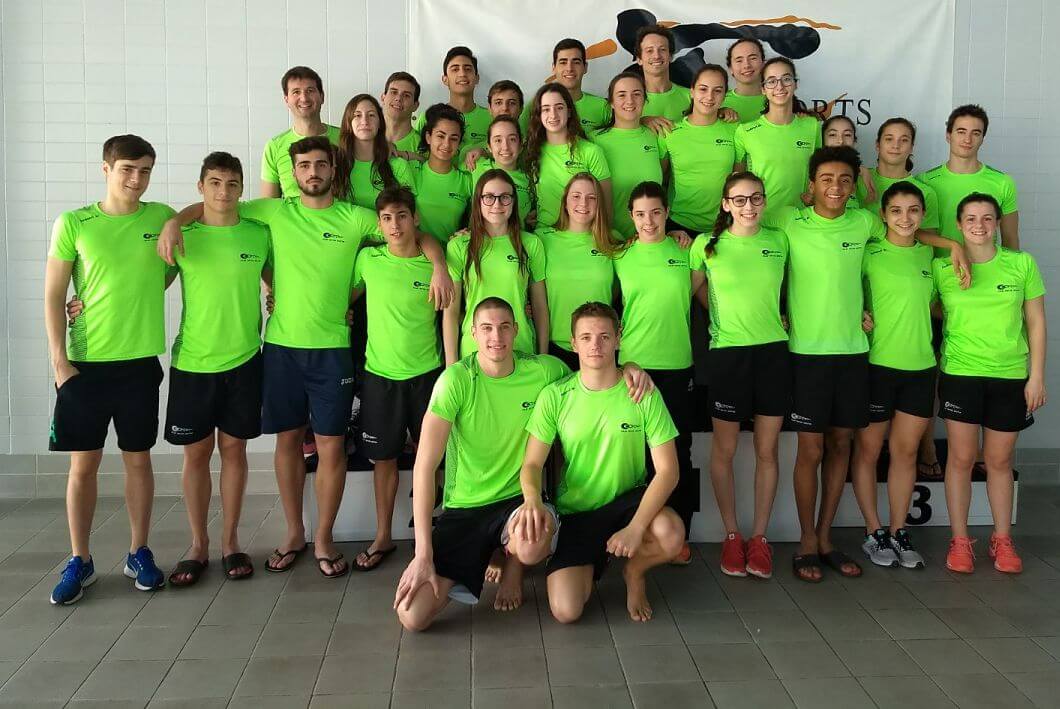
pixel 684 557
pixel 733 556
pixel 759 557
pixel 1003 552
pixel 960 557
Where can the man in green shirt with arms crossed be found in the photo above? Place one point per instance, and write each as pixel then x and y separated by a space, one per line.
pixel 604 505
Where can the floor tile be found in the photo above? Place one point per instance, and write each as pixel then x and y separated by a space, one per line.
pixel 293 639
pixel 711 627
pixel 499 668
pixel 836 693
pixel 909 693
pixel 875 658
pixel 362 700
pixel 668 695
pixel 300 701
pixel 1041 687
pixel 512 698
pixel 124 679
pixel 982 691
pixel 1014 654
pixel 583 666
pixel 614 696
pixel 195 679
pixel 797 660
pixel 749 694
pixel 78 644
pixel 306 608
pixel 778 626
pixel 846 624
pixel 946 657
pixel 221 642
pixel 719 662
pixel 141 643
pixel 911 624
pixel 268 676
pixel 433 669
pixel 431 699
pixel 657 663
pixel 45 681
pixel 18 643
pixel 980 622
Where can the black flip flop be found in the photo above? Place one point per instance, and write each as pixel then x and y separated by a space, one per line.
pixel 806 561
pixel 835 560
pixel 238 560
pixel 369 555
pixel 188 567
pixel 333 560
pixel 283 555
pixel 930 471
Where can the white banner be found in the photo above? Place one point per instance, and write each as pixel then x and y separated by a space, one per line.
pixel 871 60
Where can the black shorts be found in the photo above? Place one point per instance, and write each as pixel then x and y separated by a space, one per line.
pixel 464 539
pixel 991 402
pixel 584 535
pixel 829 391
pixel 568 357
pixel 750 381
pixel 391 410
pixel 125 392
pixel 890 390
pixel 307 386
pixel 228 401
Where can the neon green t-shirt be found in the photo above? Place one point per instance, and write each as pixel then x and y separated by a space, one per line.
pixel 593 113
pixel 931 200
pixel 558 165
pixel 119 277
pixel 366 184
pixel 983 332
pixel 220 282
pixel 634 155
pixel 744 280
pixel 313 253
pixel 476 130
pixel 410 143
pixel 780 155
pixel 656 302
pixel 670 104
pixel 825 296
pixel 276 165
pixel 748 108
pixel 402 333
pixel 898 292
pixel 577 273
pixel 603 435
pixel 951 187
pixel 522 184
pixel 489 415
pixel 441 199
pixel 701 157
pixel 501 277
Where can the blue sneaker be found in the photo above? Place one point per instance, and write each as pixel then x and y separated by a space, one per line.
pixel 141 566
pixel 76 577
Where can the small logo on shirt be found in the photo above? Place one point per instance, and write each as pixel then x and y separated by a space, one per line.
pixel 675 262
pixel 772 253
pixel 722 141
pixel 877 408
pixel 722 406
pixel 595 252
pixel 650 148
pixel 526 405
pixel 249 258
pixel 150 237
pixel 368 438
pixel 333 237
pixel 803 144
pixel 1007 287
pixel 512 258
pixel 952 407
pixel 852 246
pixel 631 427
pixel 454 195
pixel 574 165
pixel 925 274
pixel 799 418
pixel 420 285
pixel 179 430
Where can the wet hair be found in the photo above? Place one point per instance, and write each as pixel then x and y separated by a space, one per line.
pixel 381 171
pixel 978 197
pixel 219 160
pixel 396 196
pixel 568 43
pixel 439 112
pixel 969 109
pixel 308 145
pixel 797 105
pixel 826 124
pixel 505 85
pixel 724 218
pixel 649 189
pixel 126 147
pixel 535 134
pixel 594 309
pixel 695 80
pixel 752 40
pixel 403 76
pixel 899 188
pixel 493 302
pixel 301 72
pixel 459 51
pixel 610 123
pixel 899 121
pixel 601 224
pixel 839 153
pixel 650 30
pixel 477 225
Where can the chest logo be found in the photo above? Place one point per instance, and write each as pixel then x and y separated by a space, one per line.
pixel 1007 287
pixel 630 427
pixel 333 237
pixel 249 258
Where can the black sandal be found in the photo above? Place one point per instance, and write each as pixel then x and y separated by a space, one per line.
pixel 283 555
pixel 835 560
pixel 801 562
pixel 369 555
pixel 238 560
pixel 192 568
pixel 333 560
pixel 930 471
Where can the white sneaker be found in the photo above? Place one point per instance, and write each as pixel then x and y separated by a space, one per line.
pixel 902 545
pixel 877 548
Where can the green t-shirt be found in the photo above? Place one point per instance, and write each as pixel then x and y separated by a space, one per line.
pixel 898 292
pixel 951 187
pixel 402 333
pixel 983 332
pixel 522 184
pixel 748 108
pixel 489 415
pixel 825 296
pixel 441 199
pixel 501 277
pixel 780 155
pixel 313 254
pixel 558 165
pixel 701 157
pixel 670 104
pixel 410 143
pixel 931 201
pixel 120 279
pixel 593 113
pixel 276 165
pixel 577 273
pixel 744 280
pixel 635 155
pixel 220 283
pixel 656 302
pixel 366 184
pixel 603 435
pixel 476 130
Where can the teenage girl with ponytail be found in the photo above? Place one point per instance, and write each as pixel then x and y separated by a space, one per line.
pixel 737 274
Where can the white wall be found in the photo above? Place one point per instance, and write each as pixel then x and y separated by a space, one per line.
pixel 199 75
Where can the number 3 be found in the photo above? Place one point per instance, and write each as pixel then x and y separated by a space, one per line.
pixel 922 494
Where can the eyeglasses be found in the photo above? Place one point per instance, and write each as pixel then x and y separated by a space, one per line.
pixel 757 199
pixel 773 81
pixel 489 199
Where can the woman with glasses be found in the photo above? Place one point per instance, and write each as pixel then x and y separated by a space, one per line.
pixel 442 191
pixel 778 145
pixel 737 275
pixel 505 141
pixel 495 257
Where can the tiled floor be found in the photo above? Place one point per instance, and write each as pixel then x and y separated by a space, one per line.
pixel 893 638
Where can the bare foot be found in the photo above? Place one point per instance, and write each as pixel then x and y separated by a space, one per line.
pixel 636 596
pixel 510 592
pixel 495 570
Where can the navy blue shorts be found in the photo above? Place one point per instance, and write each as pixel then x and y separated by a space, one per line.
pixel 307 386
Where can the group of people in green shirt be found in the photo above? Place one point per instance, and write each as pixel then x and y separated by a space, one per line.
pixel 524 225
